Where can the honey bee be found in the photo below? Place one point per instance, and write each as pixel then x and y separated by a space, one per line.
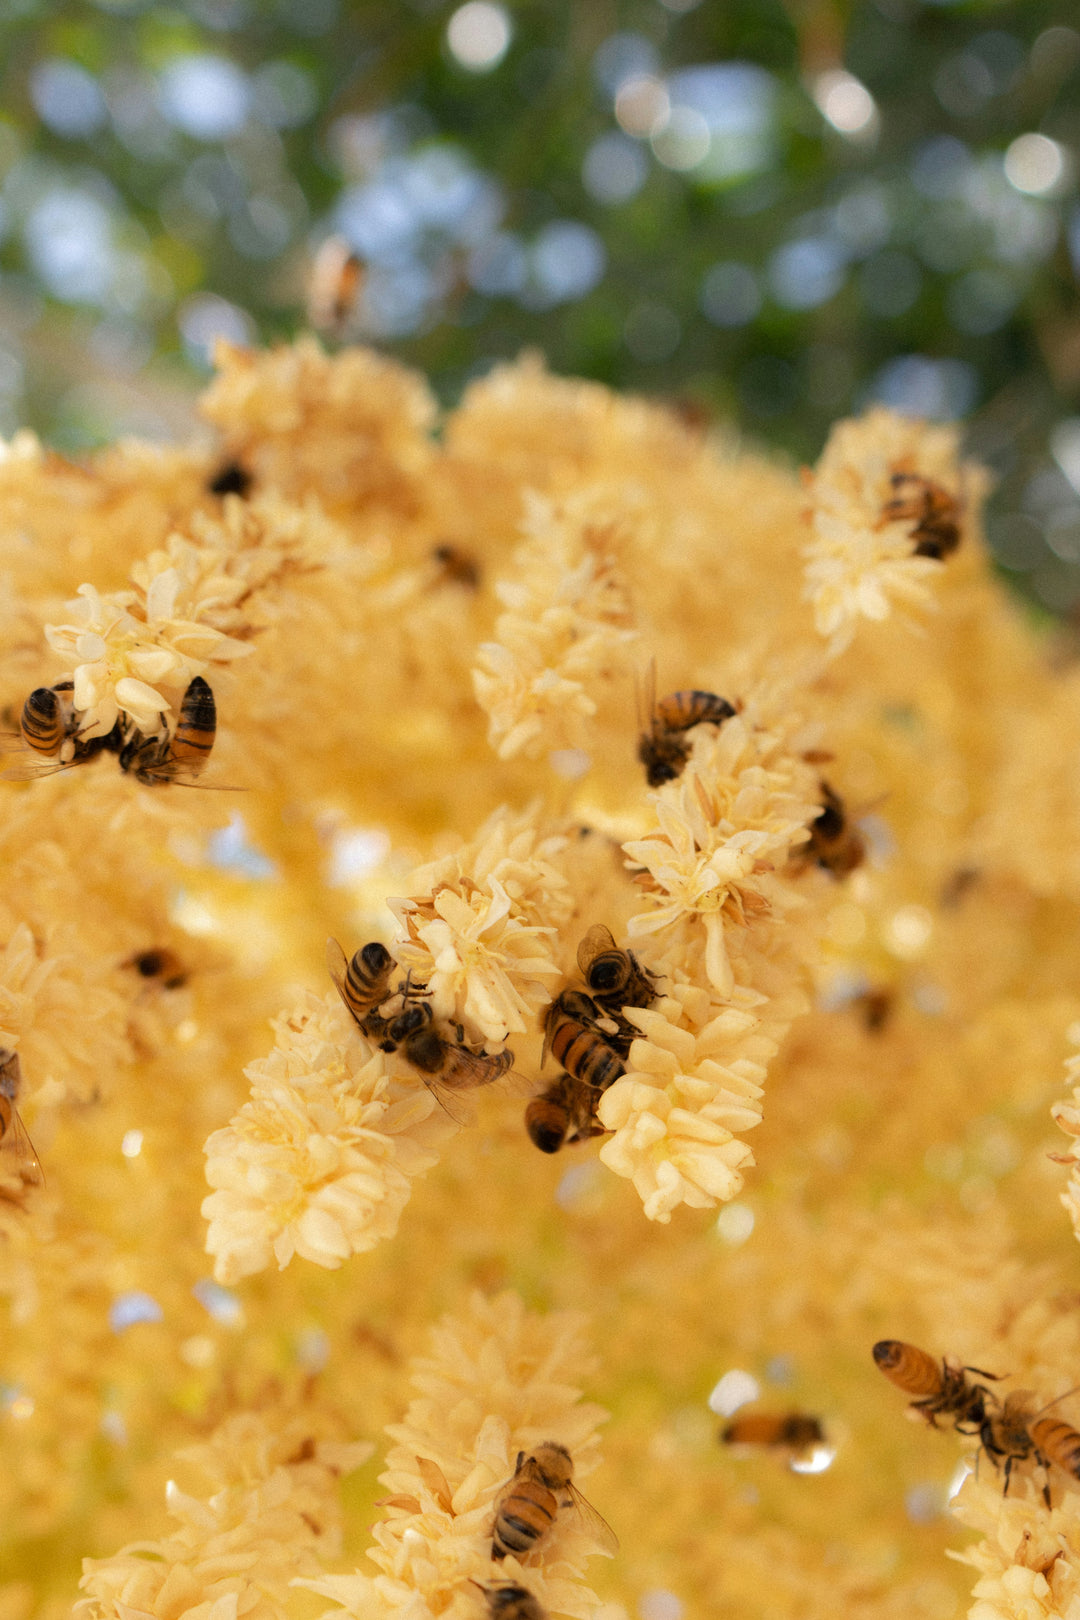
pixel 935 513
pixel 231 479
pixel 834 843
pixel 510 1601
pixel 15 1144
pixel 456 567
pixel 570 1033
pixel 1015 1433
pixel 663 746
pixel 876 1007
pixel 615 978
pixel 335 286
pixel 940 1387
pixel 49 727
pixel 541 1486
pixel 363 983
pixel 167 758
pixel 160 963
pixel 445 1066
pixel 565 1112
pixel 795 1431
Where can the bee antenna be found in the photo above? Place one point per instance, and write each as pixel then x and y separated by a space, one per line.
pixel 1055 1401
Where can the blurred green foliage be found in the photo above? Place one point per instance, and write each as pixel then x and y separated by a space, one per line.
pixel 768 212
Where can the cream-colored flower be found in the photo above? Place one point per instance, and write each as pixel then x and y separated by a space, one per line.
pixel 694 1078
pixel 211 574
pixel 272 1516
pixel 501 1380
pixel 1027 1571
pixel 861 560
pixel 478 931
pixel 1067 1115
pixel 320 1162
pixel 123 651
pixel 566 631
pixel 725 828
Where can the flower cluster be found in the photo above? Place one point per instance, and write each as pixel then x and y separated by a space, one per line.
pixel 565 632
pixel 1025 1563
pixel 724 831
pixel 1067 1116
pixel 478 928
pixel 319 1163
pixel 272 1515
pixel 861 558
pixel 127 655
pixel 501 1380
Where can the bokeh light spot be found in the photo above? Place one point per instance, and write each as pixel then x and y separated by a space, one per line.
pixel 806 272
pixel 730 295
pixel 206 96
pixel 1035 164
pixel 478 35
pixel 614 169
pixel 683 141
pixel 642 106
pixel 736 1388
pixel 67 98
pixel 846 103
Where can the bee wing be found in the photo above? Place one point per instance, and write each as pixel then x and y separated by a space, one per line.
pixel 593 1523
pixel 646 697
pixel 337 967
pixel 596 941
pixel 459 1112
pixel 16 1143
pixel 31 771
pixel 465 1070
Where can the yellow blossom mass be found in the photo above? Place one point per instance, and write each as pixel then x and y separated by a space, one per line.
pixel 793 1020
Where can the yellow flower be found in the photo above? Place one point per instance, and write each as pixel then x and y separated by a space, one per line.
pixel 500 1380
pixel 723 830
pixel 479 931
pixel 860 561
pixel 320 1162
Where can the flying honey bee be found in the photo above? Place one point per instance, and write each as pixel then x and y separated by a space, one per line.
pixel 542 1486
pixel 182 755
pixel 16 1148
pixel 876 1007
pixel 362 983
pixel 231 479
pixel 835 844
pixel 49 727
pixel 615 978
pixel 509 1601
pixel 335 286
pixel 934 512
pixel 572 1036
pixel 456 567
pixel 663 745
pixel 794 1431
pixel 565 1112
pixel 160 963
pixel 445 1066
pixel 1015 1433
pixel 940 1388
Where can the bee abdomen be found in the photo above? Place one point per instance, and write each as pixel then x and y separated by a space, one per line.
pixel 681 710
pixel 42 722
pixel 586 1056
pixel 910 1368
pixel 516 1535
pixel 1060 1441
pixel 197 728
